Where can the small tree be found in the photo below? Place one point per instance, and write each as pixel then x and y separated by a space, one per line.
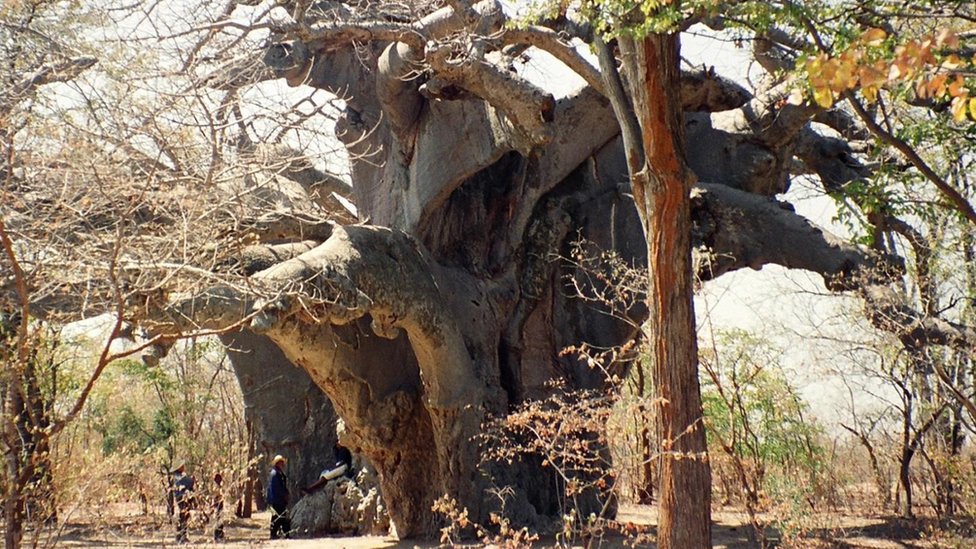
pixel 757 420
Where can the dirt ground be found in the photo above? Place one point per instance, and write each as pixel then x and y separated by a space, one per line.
pixel 116 528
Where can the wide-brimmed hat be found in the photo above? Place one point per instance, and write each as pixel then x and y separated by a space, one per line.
pixel 278 459
pixel 176 468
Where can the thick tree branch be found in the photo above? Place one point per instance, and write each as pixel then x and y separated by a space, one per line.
pixel 324 36
pixel 771 118
pixel 62 71
pixel 741 229
pixel 219 309
pixel 399 69
pixel 750 147
pixel 704 90
pixel 435 26
pixel 830 158
pixel 529 107
pixel 888 311
pixel 549 40
pixel 382 273
pixel 278 226
pixel 475 151
pixel 253 259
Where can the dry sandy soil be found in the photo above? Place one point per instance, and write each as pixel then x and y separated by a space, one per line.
pixel 731 531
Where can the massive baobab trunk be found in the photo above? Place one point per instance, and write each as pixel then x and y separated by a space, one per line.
pixel 439 300
pixel 450 305
pixel 447 304
pixel 290 415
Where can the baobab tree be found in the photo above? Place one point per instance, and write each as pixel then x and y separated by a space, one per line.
pixel 437 301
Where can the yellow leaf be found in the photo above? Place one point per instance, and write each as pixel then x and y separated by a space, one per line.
pixel 952 62
pixel 922 89
pixel 937 85
pixel 823 97
pixel 870 93
pixel 894 72
pixel 818 70
pixel 870 76
pixel 958 108
pixel 956 88
pixel 873 37
pixel 972 108
pixel 845 78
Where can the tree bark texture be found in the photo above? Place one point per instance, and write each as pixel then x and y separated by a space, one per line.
pixel 458 309
pixel 448 303
pixel 288 413
pixel 662 194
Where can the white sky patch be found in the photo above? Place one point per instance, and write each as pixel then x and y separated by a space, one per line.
pixel 723 51
pixel 550 74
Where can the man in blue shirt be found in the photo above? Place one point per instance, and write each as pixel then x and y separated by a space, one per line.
pixel 182 498
pixel 278 499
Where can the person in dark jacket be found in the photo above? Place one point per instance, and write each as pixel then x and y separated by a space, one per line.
pixel 277 497
pixel 182 487
pixel 343 466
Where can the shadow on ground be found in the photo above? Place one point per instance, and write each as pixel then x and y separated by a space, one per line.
pixel 730 530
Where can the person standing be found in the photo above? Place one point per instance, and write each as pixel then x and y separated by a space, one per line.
pixel 218 507
pixel 182 499
pixel 278 499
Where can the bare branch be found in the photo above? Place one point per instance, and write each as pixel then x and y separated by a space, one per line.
pixel 529 107
pixel 950 193
pixel 888 311
pixel 49 73
pixel 550 41
pixel 630 130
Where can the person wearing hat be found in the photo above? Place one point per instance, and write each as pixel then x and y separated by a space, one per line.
pixel 277 497
pixel 182 498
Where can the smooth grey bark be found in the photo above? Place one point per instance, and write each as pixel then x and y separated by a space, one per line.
pixel 291 416
pixel 448 304
pixel 418 332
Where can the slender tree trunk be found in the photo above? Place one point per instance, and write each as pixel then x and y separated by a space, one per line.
pixel 880 479
pixel 905 464
pixel 13 505
pixel 645 493
pixel 661 192
pixel 246 502
pixel 39 500
pixel 643 421
pixel 29 494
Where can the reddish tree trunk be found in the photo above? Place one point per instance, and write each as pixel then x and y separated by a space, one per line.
pixel 662 196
